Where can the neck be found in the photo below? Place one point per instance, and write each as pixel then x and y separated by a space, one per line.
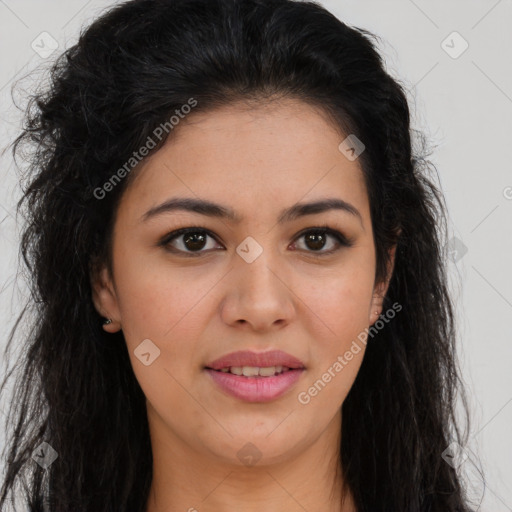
pixel 188 479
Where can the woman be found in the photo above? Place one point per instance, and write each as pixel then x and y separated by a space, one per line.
pixel 239 285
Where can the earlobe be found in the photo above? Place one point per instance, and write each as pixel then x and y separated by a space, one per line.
pixel 377 301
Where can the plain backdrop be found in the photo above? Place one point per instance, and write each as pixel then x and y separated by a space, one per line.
pixel 455 60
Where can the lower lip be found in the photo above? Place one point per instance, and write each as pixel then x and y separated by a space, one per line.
pixel 256 389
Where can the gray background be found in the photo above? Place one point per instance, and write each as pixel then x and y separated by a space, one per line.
pixel 462 100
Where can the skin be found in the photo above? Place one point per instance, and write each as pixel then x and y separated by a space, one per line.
pixel 195 309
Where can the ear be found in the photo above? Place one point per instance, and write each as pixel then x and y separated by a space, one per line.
pixel 104 298
pixel 381 288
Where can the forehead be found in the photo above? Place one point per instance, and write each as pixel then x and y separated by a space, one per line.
pixel 252 159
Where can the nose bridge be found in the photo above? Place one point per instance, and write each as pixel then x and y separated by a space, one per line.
pixel 258 294
pixel 257 263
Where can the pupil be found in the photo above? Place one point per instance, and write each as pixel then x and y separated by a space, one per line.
pixel 193 238
pixel 317 239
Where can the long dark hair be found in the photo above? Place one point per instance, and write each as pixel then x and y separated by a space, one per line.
pixel 129 72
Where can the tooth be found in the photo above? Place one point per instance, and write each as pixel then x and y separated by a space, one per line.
pixel 250 371
pixel 254 371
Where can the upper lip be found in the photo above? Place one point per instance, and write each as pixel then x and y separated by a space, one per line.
pixel 258 359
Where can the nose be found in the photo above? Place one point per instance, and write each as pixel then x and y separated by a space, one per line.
pixel 258 294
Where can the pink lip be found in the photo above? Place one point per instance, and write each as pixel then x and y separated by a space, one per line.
pixel 256 389
pixel 259 359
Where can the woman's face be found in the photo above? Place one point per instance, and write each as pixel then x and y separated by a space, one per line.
pixel 263 282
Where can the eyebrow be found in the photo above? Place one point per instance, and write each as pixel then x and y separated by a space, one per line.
pixel 211 209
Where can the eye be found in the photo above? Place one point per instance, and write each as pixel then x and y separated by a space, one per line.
pixel 317 238
pixel 191 241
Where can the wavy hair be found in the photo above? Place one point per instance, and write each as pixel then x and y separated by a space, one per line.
pixel 131 69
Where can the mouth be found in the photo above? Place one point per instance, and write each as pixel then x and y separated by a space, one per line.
pixel 255 377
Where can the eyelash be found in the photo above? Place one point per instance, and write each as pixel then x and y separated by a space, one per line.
pixel 342 240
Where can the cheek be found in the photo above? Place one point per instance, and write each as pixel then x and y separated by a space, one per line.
pixel 340 300
pixel 170 307
pixel 158 299
pixel 337 353
pixel 342 305
pixel 338 309
pixel 160 316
